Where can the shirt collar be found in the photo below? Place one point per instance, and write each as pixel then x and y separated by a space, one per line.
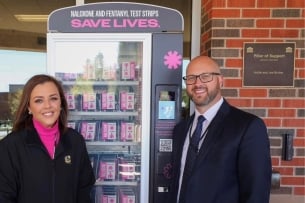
pixel 211 112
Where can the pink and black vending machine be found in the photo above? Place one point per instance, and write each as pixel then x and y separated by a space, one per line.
pixel 121 67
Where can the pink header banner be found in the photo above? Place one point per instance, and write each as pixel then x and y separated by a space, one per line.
pixel 115 17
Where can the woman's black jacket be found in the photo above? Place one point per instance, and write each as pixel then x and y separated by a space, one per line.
pixel 29 175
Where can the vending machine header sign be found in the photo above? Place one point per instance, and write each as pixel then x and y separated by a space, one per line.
pixel 115 17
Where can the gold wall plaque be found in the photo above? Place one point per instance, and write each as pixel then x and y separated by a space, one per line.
pixel 269 64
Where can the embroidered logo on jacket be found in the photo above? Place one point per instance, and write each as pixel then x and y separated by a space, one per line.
pixel 68 159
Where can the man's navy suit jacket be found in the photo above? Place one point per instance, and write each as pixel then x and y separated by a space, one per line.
pixel 233 164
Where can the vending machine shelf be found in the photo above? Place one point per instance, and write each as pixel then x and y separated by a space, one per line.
pixel 97 115
pixel 101 83
pixel 117 183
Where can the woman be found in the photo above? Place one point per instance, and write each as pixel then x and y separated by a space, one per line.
pixel 42 160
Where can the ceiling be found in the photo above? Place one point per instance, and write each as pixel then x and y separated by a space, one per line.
pixel 9 8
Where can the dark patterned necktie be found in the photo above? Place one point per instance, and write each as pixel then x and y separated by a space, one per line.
pixel 191 157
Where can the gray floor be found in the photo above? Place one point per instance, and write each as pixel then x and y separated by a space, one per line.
pixel 286 199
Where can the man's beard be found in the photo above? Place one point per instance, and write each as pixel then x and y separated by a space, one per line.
pixel 211 95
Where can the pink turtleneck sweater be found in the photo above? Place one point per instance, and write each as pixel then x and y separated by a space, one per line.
pixel 48 136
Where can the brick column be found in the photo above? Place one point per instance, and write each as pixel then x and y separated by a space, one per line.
pixel 225 26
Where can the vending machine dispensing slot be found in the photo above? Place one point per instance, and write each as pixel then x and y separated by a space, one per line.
pixel 167 113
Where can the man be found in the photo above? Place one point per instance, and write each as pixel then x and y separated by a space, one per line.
pixel 232 162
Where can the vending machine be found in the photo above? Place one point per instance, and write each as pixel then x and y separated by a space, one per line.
pixel 121 66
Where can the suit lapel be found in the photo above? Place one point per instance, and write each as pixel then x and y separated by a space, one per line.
pixel 214 131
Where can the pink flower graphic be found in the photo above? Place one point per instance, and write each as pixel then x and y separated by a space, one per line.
pixel 172 60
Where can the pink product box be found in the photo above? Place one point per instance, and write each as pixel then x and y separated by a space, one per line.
pixel 108 131
pixel 128 70
pixel 106 194
pixel 127 131
pixel 107 170
pixel 108 198
pixel 89 72
pixel 73 125
pixel 70 100
pixel 70 76
pixel 127 100
pixel 109 73
pixel 107 100
pixel 89 101
pixel 88 130
pixel 127 196
pixel 127 170
pixel 66 76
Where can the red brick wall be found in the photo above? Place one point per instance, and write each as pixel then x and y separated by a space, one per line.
pixel 225 26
